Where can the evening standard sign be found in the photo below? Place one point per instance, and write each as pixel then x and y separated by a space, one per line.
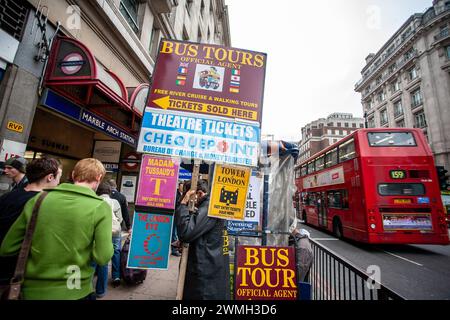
pixel 209 80
pixel 205 138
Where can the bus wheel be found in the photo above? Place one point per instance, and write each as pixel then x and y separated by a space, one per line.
pixel 337 228
pixel 304 217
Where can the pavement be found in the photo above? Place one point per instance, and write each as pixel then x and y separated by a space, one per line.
pixel 158 285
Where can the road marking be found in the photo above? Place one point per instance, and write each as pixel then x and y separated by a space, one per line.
pixel 325 239
pixel 410 261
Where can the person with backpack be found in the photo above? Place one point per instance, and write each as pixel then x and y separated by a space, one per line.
pixel 73 226
pixel 104 191
pixel 43 173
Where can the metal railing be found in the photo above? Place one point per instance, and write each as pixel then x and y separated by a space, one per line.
pixel 333 278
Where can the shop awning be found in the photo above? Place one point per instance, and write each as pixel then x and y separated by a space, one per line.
pixel 75 73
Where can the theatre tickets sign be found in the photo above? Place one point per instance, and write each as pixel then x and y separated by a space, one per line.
pixel 212 97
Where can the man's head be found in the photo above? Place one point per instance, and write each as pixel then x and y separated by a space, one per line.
pixel 88 171
pixel 104 188
pixel 180 187
pixel 202 188
pixel 15 168
pixel 112 183
pixel 44 171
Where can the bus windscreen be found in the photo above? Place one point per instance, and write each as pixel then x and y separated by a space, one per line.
pixel 391 139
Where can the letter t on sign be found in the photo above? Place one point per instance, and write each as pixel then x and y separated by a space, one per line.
pixel 158 185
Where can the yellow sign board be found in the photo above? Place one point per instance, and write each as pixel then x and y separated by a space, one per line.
pixel 14 126
pixel 229 192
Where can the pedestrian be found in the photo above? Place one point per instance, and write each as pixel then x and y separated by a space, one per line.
pixel 43 173
pixel 207 273
pixel 304 253
pixel 104 191
pixel 15 168
pixel 73 226
pixel 175 243
pixel 115 194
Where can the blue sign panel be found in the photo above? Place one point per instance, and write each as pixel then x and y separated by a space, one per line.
pixel 184 174
pixel 244 228
pixel 151 237
pixel 111 167
pixel 423 200
pixel 60 104
pixel 199 137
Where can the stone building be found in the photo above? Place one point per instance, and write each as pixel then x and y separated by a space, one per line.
pixel 75 74
pixel 407 82
pixel 322 133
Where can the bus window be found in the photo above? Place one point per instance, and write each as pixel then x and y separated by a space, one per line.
pixel 387 139
pixel 338 199
pixel 347 151
pixel 320 163
pixel 401 189
pixel 331 158
pixel 311 167
pixel 304 170
pixel 297 173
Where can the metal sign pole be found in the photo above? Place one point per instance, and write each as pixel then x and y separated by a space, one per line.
pixel 184 255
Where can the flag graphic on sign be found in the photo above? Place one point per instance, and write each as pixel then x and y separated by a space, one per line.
pixel 235 81
pixel 182 74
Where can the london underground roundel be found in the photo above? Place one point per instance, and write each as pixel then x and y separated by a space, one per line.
pixel 72 63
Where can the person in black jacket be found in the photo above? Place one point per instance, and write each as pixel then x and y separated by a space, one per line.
pixel 115 194
pixel 207 274
pixel 15 168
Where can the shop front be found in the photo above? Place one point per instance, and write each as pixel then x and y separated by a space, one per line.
pixel 86 111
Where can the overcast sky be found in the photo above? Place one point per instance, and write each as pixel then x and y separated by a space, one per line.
pixel 315 52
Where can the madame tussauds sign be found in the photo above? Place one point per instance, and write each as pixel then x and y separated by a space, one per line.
pixel 265 273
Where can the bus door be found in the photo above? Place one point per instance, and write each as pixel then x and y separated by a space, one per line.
pixel 321 209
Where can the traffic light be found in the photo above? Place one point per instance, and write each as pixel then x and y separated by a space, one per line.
pixel 441 172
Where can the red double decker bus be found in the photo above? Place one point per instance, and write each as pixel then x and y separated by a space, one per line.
pixel 374 186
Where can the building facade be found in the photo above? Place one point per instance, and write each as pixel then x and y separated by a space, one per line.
pixel 407 82
pixel 75 75
pixel 322 133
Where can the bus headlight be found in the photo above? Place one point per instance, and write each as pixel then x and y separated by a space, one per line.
pixel 373 226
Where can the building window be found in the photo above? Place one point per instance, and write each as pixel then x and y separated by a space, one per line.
pixel 383 117
pixel 395 86
pixel 420 120
pixel 129 10
pixel 188 5
pixel 338 124
pixel 353 125
pixel 412 73
pixel 371 122
pixel 381 96
pixel 416 98
pixel 398 109
pixel 346 124
pixel 448 52
pixel 154 42
pixel 400 124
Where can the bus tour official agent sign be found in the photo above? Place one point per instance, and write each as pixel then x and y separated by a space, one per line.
pixel 150 241
pixel 158 181
pixel 229 192
pixel 205 103
pixel 265 273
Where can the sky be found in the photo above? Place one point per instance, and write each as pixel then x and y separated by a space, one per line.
pixel 315 53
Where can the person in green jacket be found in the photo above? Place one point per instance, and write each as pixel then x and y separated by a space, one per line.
pixel 73 229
